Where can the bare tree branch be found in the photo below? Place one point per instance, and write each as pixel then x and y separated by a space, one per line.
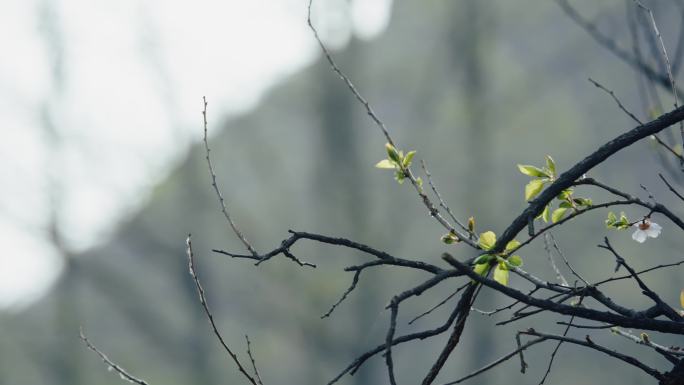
pixel 224 209
pixel 110 364
pixel 210 316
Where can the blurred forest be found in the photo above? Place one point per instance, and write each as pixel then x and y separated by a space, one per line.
pixel 475 87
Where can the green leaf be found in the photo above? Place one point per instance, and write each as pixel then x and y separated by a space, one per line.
pixel 419 182
pixel 533 188
pixel 583 201
pixel 399 176
pixel 565 204
pixel 612 218
pixel 471 224
pixel 532 171
pixel 550 164
pixel 481 268
pixel 512 245
pixel 565 194
pixel 515 260
pixel 484 258
pixel 393 153
pixel 558 214
pixel 487 240
pixel 501 274
pixel 408 158
pixel 545 214
pixel 449 238
pixel 385 163
pixel 623 217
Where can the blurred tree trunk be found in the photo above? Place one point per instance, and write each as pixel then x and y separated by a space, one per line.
pixel 339 179
pixel 469 34
pixel 67 349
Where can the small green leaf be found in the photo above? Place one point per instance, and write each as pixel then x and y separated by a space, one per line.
pixel 512 245
pixel 393 153
pixel 501 274
pixel 385 163
pixel 515 260
pixel 484 258
pixel 471 224
pixel 419 182
pixel 533 188
pixel 481 268
pixel 565 204
pixel 449 238
pixel 545 214
pixel 408 158
pixel 487 240
pixel 583 201
pixel 558 214
pixel 399 176
pixel 611 218
pixel 565 195
pixel 550 164
pixel 532 171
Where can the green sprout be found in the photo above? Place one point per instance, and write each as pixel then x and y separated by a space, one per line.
pixel 540 177
pixel 502 262
pixel 400 163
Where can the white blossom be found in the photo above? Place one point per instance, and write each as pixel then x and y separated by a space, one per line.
pixel 645 229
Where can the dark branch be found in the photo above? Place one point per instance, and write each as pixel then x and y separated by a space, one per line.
pixel 569 177
pixel 386 258
pixel 210 316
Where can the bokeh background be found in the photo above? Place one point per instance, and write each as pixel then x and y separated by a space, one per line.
pixel 104 176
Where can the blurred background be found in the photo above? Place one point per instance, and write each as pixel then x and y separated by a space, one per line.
pixel 104 176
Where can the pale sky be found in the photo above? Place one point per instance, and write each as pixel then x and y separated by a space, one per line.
pixel 126 103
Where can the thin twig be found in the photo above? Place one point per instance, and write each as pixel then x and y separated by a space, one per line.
pixel 441 303
pixel 210 316
pixel 502 308
pixel 547 247
pixel 668 66
pixel 442 203
pixel 670 187
pixel 501 360
pixel 615 98
pixel 224 209
pixel 565 260
pixel 357 273
pixel 646 341
pixel 639 272
pixel 612 46
pixel 576 326
pixel 251 358
pixel 558 345
pixel 111 365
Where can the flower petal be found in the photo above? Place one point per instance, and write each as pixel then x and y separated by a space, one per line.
pixel 639 236
pixel 654 230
